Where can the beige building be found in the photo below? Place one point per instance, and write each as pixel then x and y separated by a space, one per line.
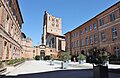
pixel 52 39
pixel 10 29
pixel 36 50
pixel 27 47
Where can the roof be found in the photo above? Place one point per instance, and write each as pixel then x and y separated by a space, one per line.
pixel 19 11
pixel 57 35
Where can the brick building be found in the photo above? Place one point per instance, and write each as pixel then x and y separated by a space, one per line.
pixel 102 31
pixel 10 29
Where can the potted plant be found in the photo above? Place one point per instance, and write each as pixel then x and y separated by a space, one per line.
pixel 81 58
pixel 98 59
pixel 64 57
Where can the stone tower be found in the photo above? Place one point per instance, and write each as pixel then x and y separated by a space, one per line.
pixel 52 37
pixel 51 25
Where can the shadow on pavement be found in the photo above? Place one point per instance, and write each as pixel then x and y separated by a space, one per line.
pixel 87 73
pixel 117 71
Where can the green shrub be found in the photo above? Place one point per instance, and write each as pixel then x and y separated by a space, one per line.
pixel 81 57
pixel 47 57
pixel 65 56
pixel 8 62
pixel 1 65
pixel 13 61
pixel 37 57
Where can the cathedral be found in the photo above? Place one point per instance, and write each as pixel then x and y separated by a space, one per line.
pixel 53 42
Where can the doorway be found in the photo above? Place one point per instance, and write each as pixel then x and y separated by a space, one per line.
pixel 42 54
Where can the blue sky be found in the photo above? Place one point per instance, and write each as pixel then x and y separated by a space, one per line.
pixel 72 12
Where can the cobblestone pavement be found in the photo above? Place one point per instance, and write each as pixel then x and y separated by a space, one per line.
pixel 43 69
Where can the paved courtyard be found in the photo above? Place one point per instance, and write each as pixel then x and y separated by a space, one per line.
pixel 43 69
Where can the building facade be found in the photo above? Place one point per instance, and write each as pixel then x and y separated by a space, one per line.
pixel 52 38
pixel 28 51
pixel 102 31
pixel 10 29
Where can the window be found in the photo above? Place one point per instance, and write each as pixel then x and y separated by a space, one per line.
pixel 116 51
pixel 101 22
pixel 53 43
pixel 53 24
pixel 66 39
pixel 72 44
pixel 86 29
pixel 13 12
pixel 91 39
pixel 95 38
pixel 119 10
pixel 57 25
pixel 49 18
pixel 7 24
pixel 9 3
pixel 52 19
pixel 57 20
pixel 86 40
pixel 75 45
pixel 71 36
pixel 112 17
pixel 7 17
pixel 114 33
pixel 78 43
pixel 59 45
pixel 75 34
pixel 94 25
pixel 82 42
pixel 90 27
pixel 103 36
pixel 81 32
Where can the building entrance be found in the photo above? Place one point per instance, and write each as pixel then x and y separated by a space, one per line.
pixel 42 54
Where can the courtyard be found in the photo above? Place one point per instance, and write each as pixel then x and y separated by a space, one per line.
pixel 43 69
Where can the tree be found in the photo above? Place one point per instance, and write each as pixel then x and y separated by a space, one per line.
pixel 81 57
pixel 65 56
pixel 98 56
